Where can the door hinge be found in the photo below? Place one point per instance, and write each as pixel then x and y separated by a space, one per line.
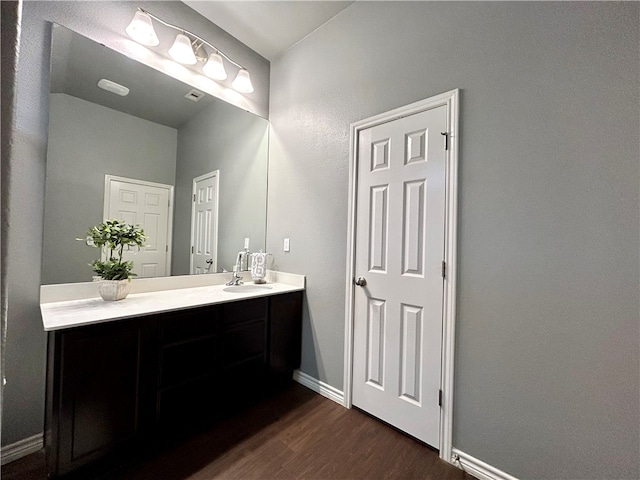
pixel 192 250
pixel 439 398
pixel 444 269
pixel 166 248
pixel 446 139
pixel 194 197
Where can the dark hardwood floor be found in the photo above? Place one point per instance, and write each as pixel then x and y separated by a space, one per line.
pixel 295 434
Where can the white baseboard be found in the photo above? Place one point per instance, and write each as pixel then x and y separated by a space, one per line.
pixel 317 386
pixel 20 449
pixel 478 468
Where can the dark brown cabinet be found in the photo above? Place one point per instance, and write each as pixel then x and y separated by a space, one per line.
pixel 99 392
pixel 114 387
pixel 285 332
pixel 188 358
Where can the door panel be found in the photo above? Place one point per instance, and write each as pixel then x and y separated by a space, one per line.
pixel 375 342
pixel 379 209
pixel 399 249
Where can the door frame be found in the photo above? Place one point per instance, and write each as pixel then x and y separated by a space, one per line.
pixel 216 175
pixel 107 195
pixel 449 99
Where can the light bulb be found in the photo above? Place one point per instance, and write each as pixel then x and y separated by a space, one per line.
pixel 242 83
pixel 141 30
pixel 182 51
pixel 214 67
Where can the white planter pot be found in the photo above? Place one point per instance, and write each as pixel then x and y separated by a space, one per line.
pixel 111 290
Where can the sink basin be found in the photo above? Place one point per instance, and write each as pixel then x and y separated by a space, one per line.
pixel 250 288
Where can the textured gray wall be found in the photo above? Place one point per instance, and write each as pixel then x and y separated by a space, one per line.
pixel 86 142
pixel 548 320
pixel 10 14
pixel 23 407
pixel 223 137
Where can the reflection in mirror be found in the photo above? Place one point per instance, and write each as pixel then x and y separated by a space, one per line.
pixel 126 156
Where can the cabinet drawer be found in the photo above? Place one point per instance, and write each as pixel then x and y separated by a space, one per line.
pixel 188 325
pixel 244 311
pixel 243 342
pixel 187 360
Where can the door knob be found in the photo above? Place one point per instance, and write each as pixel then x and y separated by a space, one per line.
pixel 210 261
pixel 360 281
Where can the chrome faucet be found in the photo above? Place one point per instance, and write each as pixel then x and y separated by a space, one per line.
pixel 236 278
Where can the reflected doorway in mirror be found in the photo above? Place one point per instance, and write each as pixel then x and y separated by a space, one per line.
pixel 204 223
pixel 149 205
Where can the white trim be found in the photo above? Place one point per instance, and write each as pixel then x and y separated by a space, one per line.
pixel 135 181
pixel 317 386
pixel 451 278
pixel 21 448
pixel 478 468
pixel 450 100
pixel 214 266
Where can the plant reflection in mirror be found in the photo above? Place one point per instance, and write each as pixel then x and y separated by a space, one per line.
pixel 114 237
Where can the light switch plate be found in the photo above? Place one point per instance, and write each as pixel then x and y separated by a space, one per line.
pixel 286 245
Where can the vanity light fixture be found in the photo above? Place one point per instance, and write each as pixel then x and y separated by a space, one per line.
pixel 182 51
pixel 188 49
pixel 214 67
pixel 242 83
pixel 141 29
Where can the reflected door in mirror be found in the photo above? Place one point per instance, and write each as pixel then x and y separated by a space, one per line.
pixel 204 223
pixel 149 205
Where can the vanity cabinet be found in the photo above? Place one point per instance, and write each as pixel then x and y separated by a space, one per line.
pixel 99 392
pixel 115 387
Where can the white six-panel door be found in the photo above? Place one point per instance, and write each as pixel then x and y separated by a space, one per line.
pixel 146 204
pixel 204 223
pixel 399 245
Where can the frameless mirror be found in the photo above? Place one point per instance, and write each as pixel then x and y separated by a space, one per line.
pixel 189 167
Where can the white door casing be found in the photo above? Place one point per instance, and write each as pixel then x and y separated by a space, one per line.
pixel 204 223
pixel 149 205
pixel 400 326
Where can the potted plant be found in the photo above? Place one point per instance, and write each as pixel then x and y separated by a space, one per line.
pixel 115 237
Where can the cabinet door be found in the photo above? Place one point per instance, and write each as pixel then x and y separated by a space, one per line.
pixel 103 389
pixel 285 317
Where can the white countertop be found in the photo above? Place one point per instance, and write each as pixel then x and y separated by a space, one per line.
pixel 57 315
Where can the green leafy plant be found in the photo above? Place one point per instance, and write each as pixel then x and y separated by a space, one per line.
pixel 115 237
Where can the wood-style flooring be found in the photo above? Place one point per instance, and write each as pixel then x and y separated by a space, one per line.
pixel 295 434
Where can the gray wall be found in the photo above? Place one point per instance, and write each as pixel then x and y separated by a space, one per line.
pixel 86 142
pixel 23 407
pixel 10 14
pixel 548 309
pixel 224 138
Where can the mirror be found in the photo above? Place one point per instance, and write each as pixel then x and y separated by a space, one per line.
pixel 153 135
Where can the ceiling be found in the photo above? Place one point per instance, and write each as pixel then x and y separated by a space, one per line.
pixel 268 27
